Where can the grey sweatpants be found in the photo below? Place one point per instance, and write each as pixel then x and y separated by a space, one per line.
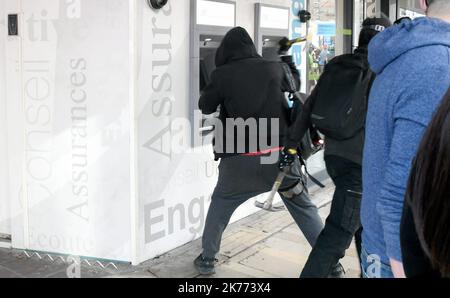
pixel 242 178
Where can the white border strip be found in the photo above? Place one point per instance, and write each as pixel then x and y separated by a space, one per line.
pixel 26 215
pixel 134 199
pixel 6 245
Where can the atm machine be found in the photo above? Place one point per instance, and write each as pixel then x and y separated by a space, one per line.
pixel 271 25
pixel 210 21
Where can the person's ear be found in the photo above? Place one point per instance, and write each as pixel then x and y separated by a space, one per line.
pixel 424 4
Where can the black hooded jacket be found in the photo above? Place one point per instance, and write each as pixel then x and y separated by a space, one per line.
pixel 245 86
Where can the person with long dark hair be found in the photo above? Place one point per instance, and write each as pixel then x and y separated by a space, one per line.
pixel 425 229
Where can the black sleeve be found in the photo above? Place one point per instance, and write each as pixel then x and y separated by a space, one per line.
pixel 291 82
pixel 303 122
pixel 210 98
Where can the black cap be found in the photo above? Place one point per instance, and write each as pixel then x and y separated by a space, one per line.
pixel 376 24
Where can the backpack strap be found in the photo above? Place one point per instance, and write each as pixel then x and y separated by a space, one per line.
pixel 289 77
pixel 313 179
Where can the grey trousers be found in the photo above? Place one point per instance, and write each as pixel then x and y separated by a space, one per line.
pixel 242 178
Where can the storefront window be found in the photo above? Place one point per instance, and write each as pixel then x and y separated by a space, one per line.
pixel 392 9
pixel 359 15
pixel 410 8
pixel 322 47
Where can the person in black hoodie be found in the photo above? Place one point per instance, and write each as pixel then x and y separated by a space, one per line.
pixel 245 86
pixel 343 157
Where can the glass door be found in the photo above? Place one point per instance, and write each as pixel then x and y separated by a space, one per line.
pixel 409 8
pixel 322 47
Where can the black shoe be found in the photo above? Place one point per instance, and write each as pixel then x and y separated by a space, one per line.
pixel 205 266
pixel 338 272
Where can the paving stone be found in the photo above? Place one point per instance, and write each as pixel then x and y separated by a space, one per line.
pixel 352 252
pixel 6 273
pixel 293 234
pixel 351 273
pixel 87 273
pixel 240 241
pixel 287 246
pixel 177 263
pixel 93 272
pixel 227 271
pixel 247 271
pixel 273 222
pixel 293 228
pixel 144 274
pixel 175 266
pixel 249 252
pixel 271 261
pixel 351 263
pixel 33 268
pixel 6 255
pixel 59 275
pixel 324 196
pixel 324 212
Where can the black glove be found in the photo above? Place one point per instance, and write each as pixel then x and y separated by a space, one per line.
pixel 287 158
pixel 285 46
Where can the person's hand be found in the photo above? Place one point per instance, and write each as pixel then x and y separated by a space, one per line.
pixel 287 158
pixel 285 46
pixel 397 269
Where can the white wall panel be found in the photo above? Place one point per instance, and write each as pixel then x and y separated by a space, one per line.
pixel 15 131
pixel 174 187
pixel 76 128
pixel 167 181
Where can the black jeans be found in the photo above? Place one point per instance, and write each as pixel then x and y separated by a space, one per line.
pixel 343 222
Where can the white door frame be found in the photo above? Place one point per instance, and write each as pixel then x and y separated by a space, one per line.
pixel 15 134
pixel 5 211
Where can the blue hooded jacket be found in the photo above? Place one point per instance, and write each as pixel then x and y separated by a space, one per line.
pixel 412 63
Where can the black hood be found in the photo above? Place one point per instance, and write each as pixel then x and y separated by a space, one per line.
pixel 236 45
pixel 363 51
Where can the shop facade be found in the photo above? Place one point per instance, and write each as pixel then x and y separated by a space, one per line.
pixel 96 105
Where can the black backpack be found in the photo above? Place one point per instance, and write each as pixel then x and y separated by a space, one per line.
pixel 340 106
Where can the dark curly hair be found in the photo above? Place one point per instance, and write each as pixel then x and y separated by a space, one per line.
pixel 429 190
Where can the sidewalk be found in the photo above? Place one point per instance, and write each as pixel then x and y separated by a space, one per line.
pixel 264 245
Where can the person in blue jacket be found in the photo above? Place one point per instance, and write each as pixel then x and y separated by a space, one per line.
pixel 412 63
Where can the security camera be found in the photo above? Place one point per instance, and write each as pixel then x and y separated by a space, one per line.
pixel 304 16
pixel 157 4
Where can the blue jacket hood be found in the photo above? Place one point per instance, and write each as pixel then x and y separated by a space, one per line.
pixel 399 39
